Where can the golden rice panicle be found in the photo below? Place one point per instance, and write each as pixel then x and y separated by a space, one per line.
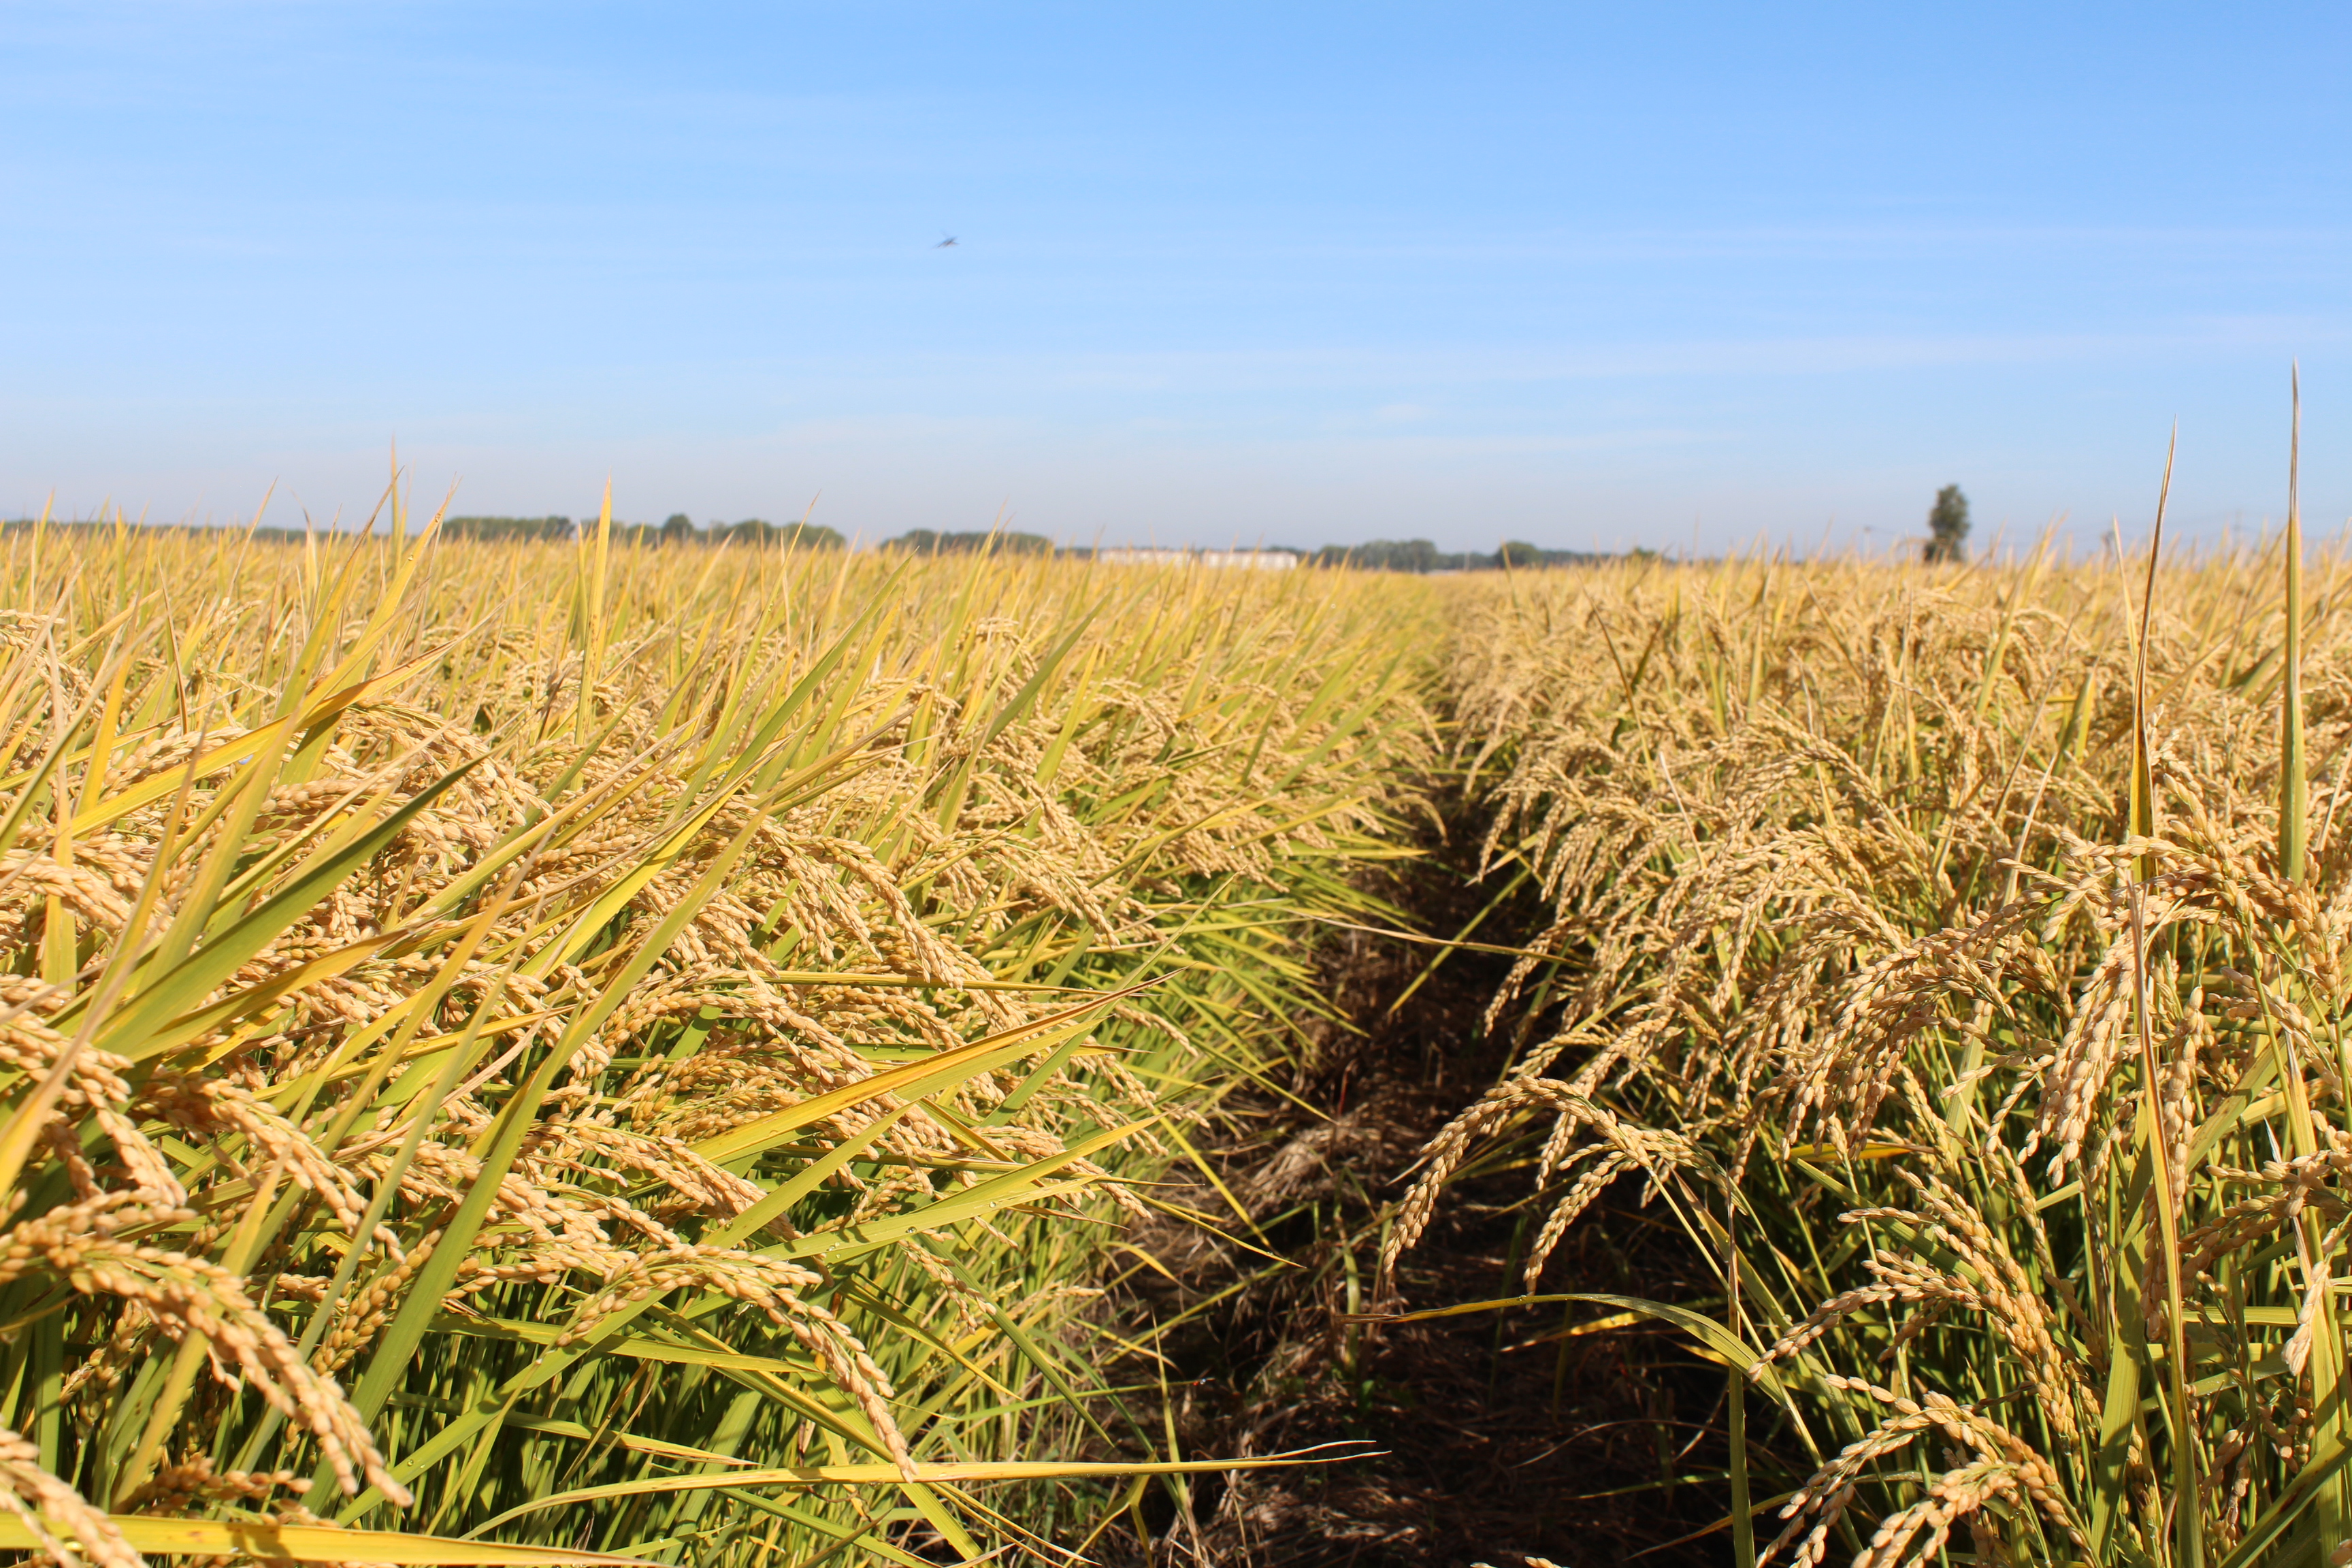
pixel 50 1509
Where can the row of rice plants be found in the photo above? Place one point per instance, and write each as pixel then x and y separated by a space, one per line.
pixel 515 1052
pixel 1957 957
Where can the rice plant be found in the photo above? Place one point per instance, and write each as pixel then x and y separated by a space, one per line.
pixel 1957 956
pixel 533 1053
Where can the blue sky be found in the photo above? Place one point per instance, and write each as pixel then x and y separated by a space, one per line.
pixel 1592 276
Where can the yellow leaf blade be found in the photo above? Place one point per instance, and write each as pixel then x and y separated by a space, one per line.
pixel 315 1543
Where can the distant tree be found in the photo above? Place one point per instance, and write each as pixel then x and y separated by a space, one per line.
pixel 810 536
pixel 758 531
pixel 1519 553
pixel 1385 555
pixel 1948 526
pixel 931 541
pixel 507 528
pixel 677 529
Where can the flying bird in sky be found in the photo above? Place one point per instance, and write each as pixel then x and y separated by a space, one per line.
pixel 945 243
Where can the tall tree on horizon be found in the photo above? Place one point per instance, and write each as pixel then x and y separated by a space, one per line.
pixel 1948 526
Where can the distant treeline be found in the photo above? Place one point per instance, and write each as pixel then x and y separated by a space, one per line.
pixel 680 529
pixel 507 527
pixel 924 542
pixel 1379 555
pixel 676 529
pixel 1421 556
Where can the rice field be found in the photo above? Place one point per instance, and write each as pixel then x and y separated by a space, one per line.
pixel 527 1052
pixel 536 1053
pixel 1954 958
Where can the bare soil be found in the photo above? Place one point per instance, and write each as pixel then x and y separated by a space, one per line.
pixel 1492 1438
